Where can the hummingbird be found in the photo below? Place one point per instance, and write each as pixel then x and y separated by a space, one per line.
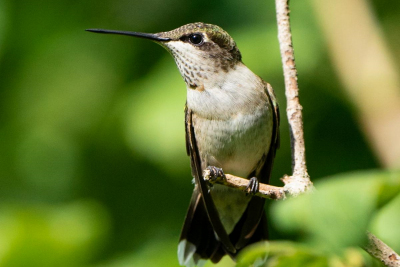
pixel 232 126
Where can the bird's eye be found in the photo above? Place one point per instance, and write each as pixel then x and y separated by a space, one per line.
pixel 196 39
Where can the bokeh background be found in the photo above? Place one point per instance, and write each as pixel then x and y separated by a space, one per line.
pixel 93 168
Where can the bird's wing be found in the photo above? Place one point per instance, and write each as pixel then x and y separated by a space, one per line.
pixel 275 142
pixel 197 172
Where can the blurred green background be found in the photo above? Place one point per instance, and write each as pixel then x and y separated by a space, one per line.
pixel 93 165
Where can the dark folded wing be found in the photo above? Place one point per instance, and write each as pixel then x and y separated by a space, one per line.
pixel 197 172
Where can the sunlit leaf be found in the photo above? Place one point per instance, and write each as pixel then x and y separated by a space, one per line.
pixel 337 214
pixel 386 223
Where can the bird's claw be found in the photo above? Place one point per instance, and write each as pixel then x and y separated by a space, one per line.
pixel 253 186
pixel 215 173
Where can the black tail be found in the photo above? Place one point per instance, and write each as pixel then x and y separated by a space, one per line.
pixel 198 241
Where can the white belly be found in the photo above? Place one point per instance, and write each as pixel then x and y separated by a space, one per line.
pixel 237 146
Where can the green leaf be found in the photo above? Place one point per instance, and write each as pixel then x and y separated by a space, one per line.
pixel 253 255
pixel 337 215
pixel 281 253
pixel 385 223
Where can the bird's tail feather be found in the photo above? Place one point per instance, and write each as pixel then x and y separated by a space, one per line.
pixel 198 241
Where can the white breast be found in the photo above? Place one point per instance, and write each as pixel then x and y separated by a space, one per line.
pixel 227 93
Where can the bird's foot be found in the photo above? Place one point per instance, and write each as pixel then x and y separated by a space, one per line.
pixel 215 173
pixel 253 186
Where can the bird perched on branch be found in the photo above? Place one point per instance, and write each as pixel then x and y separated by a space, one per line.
pixel 232 126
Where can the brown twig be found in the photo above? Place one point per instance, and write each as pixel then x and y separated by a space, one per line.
pixel 381 251
pixel 265 190
pixel 300 181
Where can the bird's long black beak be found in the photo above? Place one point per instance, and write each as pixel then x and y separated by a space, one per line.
pixel 150 36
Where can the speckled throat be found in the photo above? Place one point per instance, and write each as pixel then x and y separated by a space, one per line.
pixel 197 63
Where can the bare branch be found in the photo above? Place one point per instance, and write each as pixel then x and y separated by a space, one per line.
pixel 265 190
pixel 381 251
pixel 300 180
